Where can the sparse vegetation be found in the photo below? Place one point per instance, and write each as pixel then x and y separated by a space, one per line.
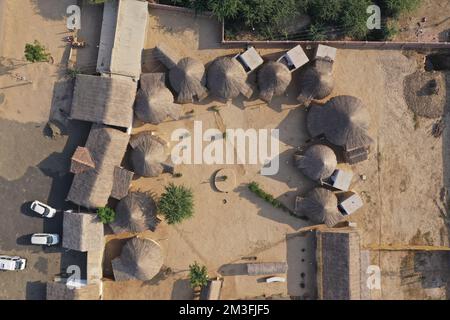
pixel 176 203
pixel 198 275
pixel 257 190
pixel 36 52
pixel 106 214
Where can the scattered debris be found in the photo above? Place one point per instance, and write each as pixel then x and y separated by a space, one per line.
pixel 438 128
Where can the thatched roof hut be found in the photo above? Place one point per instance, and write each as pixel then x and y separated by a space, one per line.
pixel 316 81
pixel 188 79
pixel 273 79
pixel 167 55
pixel 227 79
pixel 82 232
pixel 135 213
pixel 60 291
pixel 154 101
pixel 317 163
pixel 141 259
pixel 148 154
pixel 103 100
pixel 92 188
pixel 264 268
pixel 344 120
pixel 320 206
pixel 338 264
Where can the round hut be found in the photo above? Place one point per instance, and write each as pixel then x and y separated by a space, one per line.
pixel 226 79
pixel 273 80
pixel 343 120
pixel 141 259
pixel 135 213
pixel 317 163
pixel 154 101
pixel 316 81
pixel 148 154
pixel 188 79
pixel 320 206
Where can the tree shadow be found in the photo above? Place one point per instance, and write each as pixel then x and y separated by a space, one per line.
pixel 36 290
pixel 52 9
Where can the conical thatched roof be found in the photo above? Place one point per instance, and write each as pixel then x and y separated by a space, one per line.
pixel 154 101
pixel 343 120
pixel 227 79
pixel 273 79
pixel 318 162
pixel 320 206
pixel 147 154
pixel 135 213
pixel 188 78
pixel 316 81
pixel 141 259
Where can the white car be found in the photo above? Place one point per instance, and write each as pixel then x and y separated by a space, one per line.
pixel 47 239
pixel 43 209
pixel 12 263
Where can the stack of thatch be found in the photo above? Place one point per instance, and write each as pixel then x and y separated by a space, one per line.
pixel 273 79
pixel 135 213
pixel 148 154
pixel 227 79
pixel 320 206
pixel 317 163
pixel 343 120
pixel 154 101
pixel 141 259
pixel 316 81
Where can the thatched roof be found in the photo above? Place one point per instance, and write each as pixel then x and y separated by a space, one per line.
pixel 188 79
pixel 92 188
pixel 141 259
pixel 104 100
pixel 60 291
pixel 227 79
pixel 316 81
pixel 81 161
pixel 148 154
pixel 256 269
pixel 167 55
pixel 344 120
pixel 121 182
pixel 82 232
pixel 122 37
pixel 317 163
pixel 273 79
pixel 135 213
pixel 320 206
pixel 338 264
pixel 154 101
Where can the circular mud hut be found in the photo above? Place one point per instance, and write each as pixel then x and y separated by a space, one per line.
pixel 141 259
pixel 316 81
pixel 273 80
pixel 148 154
pixel 317 163
pixel 320 206
pixel 154 101
pixel 226 79
pixel 344 120
pixel 135 213
pixel 188 79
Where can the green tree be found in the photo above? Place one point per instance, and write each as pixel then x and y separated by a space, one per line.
pixel 397 7
pixel 176 203
pixel 36 52
pixel 106 214
pixel 198 275
pixel 325 11
pixel 353 18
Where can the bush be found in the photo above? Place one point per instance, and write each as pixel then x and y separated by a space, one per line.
pixel 353 18
pixel 325 11
pixel 106 215
pixel 397 7
pixel 198 275
pixel 176 203
pixel 317 32
pixel 36 52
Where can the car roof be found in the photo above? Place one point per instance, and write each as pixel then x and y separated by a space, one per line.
pixel 39 207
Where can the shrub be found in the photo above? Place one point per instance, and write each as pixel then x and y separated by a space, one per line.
pixel 353 18
pixel 198 275
pixel 397 7
pixel 176 203
pixel 36 52
pixel 317 32
pixel 325 11
pixel 106 215
pixel 256 189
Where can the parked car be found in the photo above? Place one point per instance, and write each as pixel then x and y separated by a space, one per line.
pixel 43 209
pixel 12 263
pixel 47 239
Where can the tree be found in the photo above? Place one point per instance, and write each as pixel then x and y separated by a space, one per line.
pixel 326 11
pixel 36 52
pixel 397 7
pixel 176 203
pixel 106 214
pixel 198 275
pixel 353 18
